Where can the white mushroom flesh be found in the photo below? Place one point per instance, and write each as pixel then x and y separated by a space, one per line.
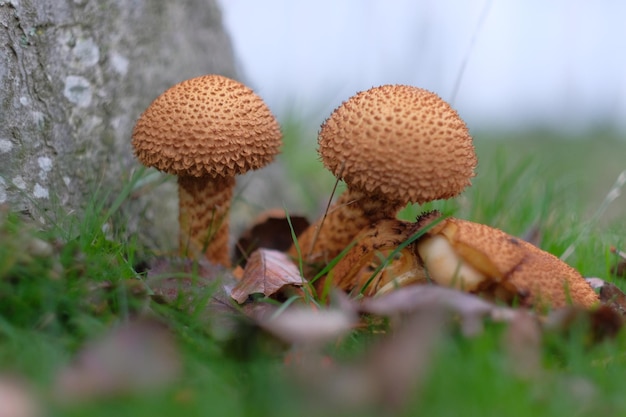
pixel 445 267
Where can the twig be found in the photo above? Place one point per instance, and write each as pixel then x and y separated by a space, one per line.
pixel 330 200
pixel 479 25
pixel 613 193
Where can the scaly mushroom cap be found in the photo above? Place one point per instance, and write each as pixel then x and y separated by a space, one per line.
pixel 551 281
pixel 207 126
pixel 479 258
pixel 402 143
pixel 491 251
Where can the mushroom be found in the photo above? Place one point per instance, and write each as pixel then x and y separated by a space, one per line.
pixel 206 130
pixel 367 268
pixel 463 255
pixel 481 259
pixel 392 145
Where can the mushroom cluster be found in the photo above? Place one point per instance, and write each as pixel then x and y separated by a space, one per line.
pixel 391 145
pixel 398 144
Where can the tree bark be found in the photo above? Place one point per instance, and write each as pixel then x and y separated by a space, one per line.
pixel 74 77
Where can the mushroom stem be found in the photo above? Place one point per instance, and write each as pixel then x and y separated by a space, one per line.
pixel 204 203
pixel 353 212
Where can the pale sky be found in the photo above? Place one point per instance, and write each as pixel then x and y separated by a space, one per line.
pixel 560 63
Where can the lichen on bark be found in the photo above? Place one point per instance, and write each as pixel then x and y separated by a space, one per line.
pixel 74 77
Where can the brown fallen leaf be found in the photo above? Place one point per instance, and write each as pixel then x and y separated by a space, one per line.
pixel 98 294
pixel 197 287
pixel 173 279
pixel 605 323
pixel 610 294
pixel 307 326
pixel 17 399
pixel 267 272
pixel 401 363
pixel 270 230
pixel 132 358
pixel 599 324
pixel 384 379
pixel 522 344
pixel 619 269
pixel 470 309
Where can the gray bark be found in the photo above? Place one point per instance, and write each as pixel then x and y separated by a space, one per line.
pixel 74 77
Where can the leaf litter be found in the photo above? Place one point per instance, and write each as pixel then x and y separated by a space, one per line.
pixel 270 230
pixel 267 272
pixel 135 357
pixel 385 378
pixel 197 288
pixel 142 354
pixel 619 269
pixel 17 398
pixel 390 373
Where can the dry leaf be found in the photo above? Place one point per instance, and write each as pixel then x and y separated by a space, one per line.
pixel 270 230
pixel 180 279
pixel 610 294
pixel 384 379
pixel 522 343
pixel 267 272
pixel 303 325
pixel 470 308
pixel 197 287
pixel 17 399
pixel 401 363
pixel 135 357
pixel 619 269
pixel 606 322
pixel 599 323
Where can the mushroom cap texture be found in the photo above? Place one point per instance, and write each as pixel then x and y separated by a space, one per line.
pixel 399 142
pixel 491 251
pixel 527 268
pixel 207 126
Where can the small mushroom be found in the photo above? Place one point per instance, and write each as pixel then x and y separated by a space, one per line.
pixel 392 145
pixel 206 130
pixel 481 259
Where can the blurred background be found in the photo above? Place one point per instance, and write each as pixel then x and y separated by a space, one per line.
pixel 503 64
pixel 541 85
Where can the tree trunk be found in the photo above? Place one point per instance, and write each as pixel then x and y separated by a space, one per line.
pixel 74 77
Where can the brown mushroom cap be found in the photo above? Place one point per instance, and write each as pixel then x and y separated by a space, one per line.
pixel 400 142
pixel 511 264
pixel 492 251
pixel 551 281
pixel 207 126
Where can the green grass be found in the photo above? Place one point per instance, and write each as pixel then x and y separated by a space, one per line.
pixel 66 284
pixel 472 377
